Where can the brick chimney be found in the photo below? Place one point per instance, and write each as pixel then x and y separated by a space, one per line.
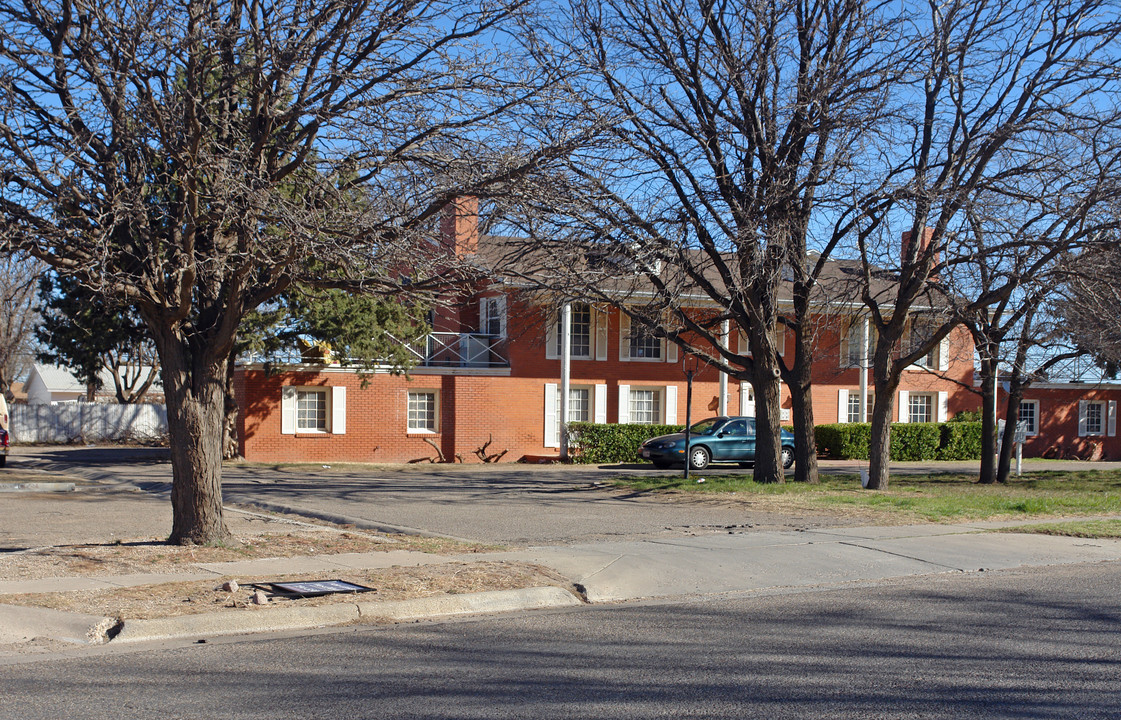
pixel 459 227
pixel 927 236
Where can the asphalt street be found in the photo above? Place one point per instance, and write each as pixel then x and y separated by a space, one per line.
pixel 1037 643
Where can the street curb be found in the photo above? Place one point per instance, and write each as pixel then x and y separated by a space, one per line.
pixel 268 619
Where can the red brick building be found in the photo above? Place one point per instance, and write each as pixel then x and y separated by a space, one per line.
pixel 1074 420
pixel 491 373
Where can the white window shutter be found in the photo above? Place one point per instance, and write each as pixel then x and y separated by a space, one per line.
pixel 1112 422
pixel 551 336
pixel 600 416
pixel 843 350
pixel 601 334
pixel 944 354
pixel 288 410
pixel 780 339
pixel 552 430
pixel 624 336
pixel 1081 418
pixel 842 406
pixel 943 406
pixel 624 404
pixel 671 350
pixel 742 346
pixel 671 405
pixel 484 304
pixel 501 302
pixel 904 410
pixel 338 410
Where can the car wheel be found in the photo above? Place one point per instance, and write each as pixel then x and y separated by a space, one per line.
pixel 787 458
pixel 698 458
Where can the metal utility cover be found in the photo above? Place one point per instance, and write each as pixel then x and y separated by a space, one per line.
pixel 313 588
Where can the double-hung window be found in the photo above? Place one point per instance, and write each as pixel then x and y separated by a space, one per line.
pixel 1095 418
pixel 645 406
pixel 920 408
pixel 645 345
pixel 311 411
pixel 1029 415
pixel 581 343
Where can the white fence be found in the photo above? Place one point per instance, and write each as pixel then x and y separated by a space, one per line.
pixel 89 422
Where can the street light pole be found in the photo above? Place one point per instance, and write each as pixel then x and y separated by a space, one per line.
pixel 690 369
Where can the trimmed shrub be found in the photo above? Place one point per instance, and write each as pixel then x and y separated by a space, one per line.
pixel 915 441
pixel 960 441
pixel 843 441
pixel 909 441
pixel 594 443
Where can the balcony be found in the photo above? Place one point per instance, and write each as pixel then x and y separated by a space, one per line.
pixel 465 350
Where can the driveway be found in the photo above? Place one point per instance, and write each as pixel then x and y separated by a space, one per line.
pixel 504 504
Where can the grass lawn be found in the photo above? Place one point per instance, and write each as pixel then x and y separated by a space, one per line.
pixel 942 497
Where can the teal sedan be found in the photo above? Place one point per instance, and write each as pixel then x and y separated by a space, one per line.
pixel 717 439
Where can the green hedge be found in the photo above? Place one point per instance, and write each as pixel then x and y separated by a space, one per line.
pixel 909 441
pixel 593 443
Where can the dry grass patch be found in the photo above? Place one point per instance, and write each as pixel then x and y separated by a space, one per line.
pixel 154 556
pixel 203 596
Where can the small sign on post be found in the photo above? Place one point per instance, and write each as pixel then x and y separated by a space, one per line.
pixel 1020 436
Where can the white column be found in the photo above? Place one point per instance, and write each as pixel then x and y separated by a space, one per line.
pixel 566 371
pixel 724 330
pixel 864 332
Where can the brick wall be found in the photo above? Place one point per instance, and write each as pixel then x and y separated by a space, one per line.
pixel 508 408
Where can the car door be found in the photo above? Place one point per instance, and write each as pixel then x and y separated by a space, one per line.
pixel 731 441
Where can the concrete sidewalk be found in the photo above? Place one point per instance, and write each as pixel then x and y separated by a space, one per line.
pixel 605 572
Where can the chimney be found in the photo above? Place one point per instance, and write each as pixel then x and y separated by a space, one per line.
pixel 459 227
pixel 927 236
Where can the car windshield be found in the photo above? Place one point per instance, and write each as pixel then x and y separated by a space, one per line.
pixel 704 427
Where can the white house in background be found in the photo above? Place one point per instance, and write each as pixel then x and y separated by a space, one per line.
pixel 51 384
pixel 48 384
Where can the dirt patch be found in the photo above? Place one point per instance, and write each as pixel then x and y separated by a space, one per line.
pixel 155 556
pixel 202 596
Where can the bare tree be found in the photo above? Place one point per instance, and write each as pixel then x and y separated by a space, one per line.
pixel 1010 101
pixel 195 159
pixel 719 126
pixel 19 311
pixel 1091 304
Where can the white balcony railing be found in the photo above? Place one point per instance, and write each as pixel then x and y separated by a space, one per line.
pixel 444 349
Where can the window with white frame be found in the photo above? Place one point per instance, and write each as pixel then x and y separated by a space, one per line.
pixel 921 331
pixel 645 406
pixel 920 408
pixel 423 411
pixel 854 407
pixel 1095 418
pixel 645 344
pixel 1029 415
pixel 581 343
pixel 853 345
pixel 492 316
pixel 311 410
pixel 579 407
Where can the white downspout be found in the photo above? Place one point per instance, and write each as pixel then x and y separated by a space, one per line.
pixel 864 333
pixel 566 380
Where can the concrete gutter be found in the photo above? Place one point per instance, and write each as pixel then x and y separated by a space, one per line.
pixel 22 624
pixel 274 619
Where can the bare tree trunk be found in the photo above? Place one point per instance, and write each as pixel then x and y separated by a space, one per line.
pixel 231 439
pixel 879 444
pixel 988 422
pixel 195 389
pixel 805 440
pixel 768 446
pixel 1004 462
